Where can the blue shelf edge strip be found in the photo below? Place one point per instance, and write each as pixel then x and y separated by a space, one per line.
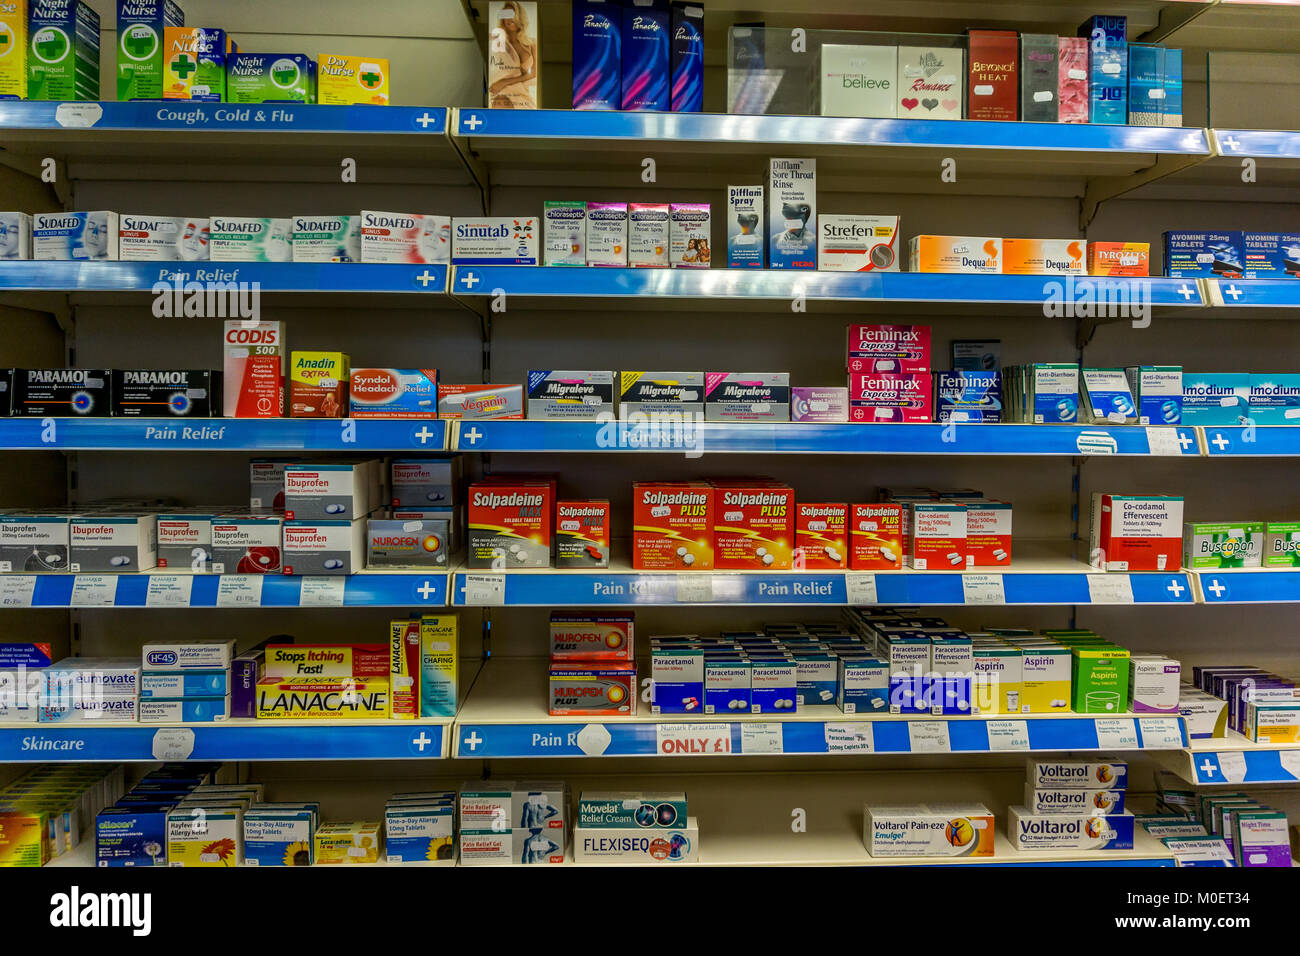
pixel 186 278
pixel 222 434
pixel 359 590
pixel 1262 766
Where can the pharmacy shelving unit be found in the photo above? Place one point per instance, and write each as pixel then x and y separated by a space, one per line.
pixel 222 434
pixel 1234 760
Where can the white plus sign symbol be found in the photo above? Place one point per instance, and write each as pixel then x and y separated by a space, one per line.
pixel 1184 440
pixel 1217 587
pixel 425 589
pixel 1186 291
pixel 425 278
pixel 1231 142
pixel 422 741
pixel 1208 768
pixel 473 740
pixel 473 122
pixel 424 434
pixel 1219 441
pixel 1233 291
pixel 469 279
pixel 1175 588
pixel 473 434
pixel 426 119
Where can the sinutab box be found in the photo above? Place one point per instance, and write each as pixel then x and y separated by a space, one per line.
pixel 162 239
pixel 499 240
pixel 890 397
pixel 120 541
pixel 323 547
pixel 393 393
pixel 753 526
pixel 569 395
pixel 888 348
pixel 661 393
pixel 480 401
pixel 158 393
pixel 672 526
pixel 61 392
pixel 1136 532
pixel 821 536
pixel 747 396
pixel 510 524
pixel 1130 259
pixel 582 536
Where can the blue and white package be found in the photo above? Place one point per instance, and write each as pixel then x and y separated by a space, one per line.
pixel 597 54
pixel 792 213
pixel 15 235
pixel 774 686
pixel 1055 392
pixel 1146 85
pixel 863 685
pixel 1158 392
pixel 173 685
pixel 968 396
pixel 1216 398
pixel 1172 114
pixel 677 681
pixel 726 685
pixel 816 677
pixel 1105 397
pixel 1275 399
pixel 1268 255
pixel 646 55
pixel 687 57
pixel 132 836
pixel 1212 255
pixel 188 710
pixel 75 235
pixel 746 248
pixel 1107 69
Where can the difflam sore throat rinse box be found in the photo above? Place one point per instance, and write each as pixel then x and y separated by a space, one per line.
pixel 792 213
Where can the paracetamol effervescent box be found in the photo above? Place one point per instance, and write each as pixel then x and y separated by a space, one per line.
pixel 405 237
pixel 564 235
pixel 857 243
pixel 75 235
pixel 1030 830
pixel 980 255
pixel 1136 532
pixel 648 235
pixel 14 50
pixel 326 238
pixel 1044 257
pixel 243 239
pixel 607 234
pixel 936 830
pixel 690 229
pixel 495 240
pixel 162 238
pixel 344 79
pixel 15 234
pixel 746 244
pixel 792 213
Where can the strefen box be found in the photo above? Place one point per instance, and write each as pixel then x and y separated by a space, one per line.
pixel 31 543
pixel 635 846
pixel 792 213
pixel 185 541
pixel 1077 775
pixel 1157 392
pixel 68 392
pixel 162 238
pixel 615 810
pixel 197 655
pixel 411 238
pixel 1044 257
pixel 323 547
pixel 1039 77
pixel 1107 68
pixel 141 25
pixel 819 404
pixel 515 845
pixel 597 54
pixel 194 63
pixel 746 244
pixel 1105 397
pixel 148 393
pixel 15 235
pixel 333 492
pixel 1212 255
pixel 480 401
pixel 649 235
pixel 607 234
pixel 271 78
pixel 1281 543
pixel 690 232
pixel 965 255
pixel 113 542
pixel 240 239
pixel 928 830
pixel 344 79
pixel 246 543
pixel 189 710
pixel 500 240
pixel 993 85
pixel 1029 830
pixel 1231 544
pixel 888 348
pixel 1073 800
pixel 1274 399
pixel 90 236
pixel 857 243
pixel 930 82
pixel 859 80
pixel 647 55
pixel 661 393
pixel 1211 398
pixel 569 395
pixel 326 238
pixel 564 230
pixel 63 50
pixel 747 396
pixel 393 393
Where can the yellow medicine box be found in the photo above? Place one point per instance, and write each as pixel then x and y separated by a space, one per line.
pixel 24 838
pixel 342 80
pixel 323 698
pixel 346 843
pixel 210 835
pixel 13 49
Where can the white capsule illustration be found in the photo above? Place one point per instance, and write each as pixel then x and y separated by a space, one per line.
pixel 521 555
pixel 53 558
pixel 681 552
pixel 263 559
pixel 334 509
pixel 877 703
pixel 333 564
pixel 999 554
pixel 688 559
pixel 119 561
pixel 833 554
pixel 690 703
pixel 888 555
pixel 954 558
pixel 514 548
pixel 442 559
pixel 767 558
pixel 1058 703
pixel 825 695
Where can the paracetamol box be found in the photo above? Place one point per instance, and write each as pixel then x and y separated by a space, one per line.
pixel 727 685
pixel 15 234
pixel 336 492
pixel 607 233
pixel 1275 398
pixel 162 238
pixel 1029 830
pixel 1230 544
pixel 1157 392
pixel 1119 259
pixel 746 245
pixel 1073 800
pixel 1136 532
pixel 677 681
pixel 1105 396
pixel 75 236
pixel 1044 257
pixel 649 235
pixel 346 79
pixel 747 396
pixel 113 542
pixel 499 240
pixel 326 238
pixel 480 401
pixel 792 213
pixel 568 395
pixel 271 78
pixel 1216 398
pixel 690 235
pixel 393 393
pixel 407 237
pixel 899 349
pixel 1077 775
pixel 863 685
pixel 928 830
pixel 63 50
pixel 1212 255
pixel 676 393
pixel 890 397
pixel 966 255
pixel 857 243
pixel 243 239
pixel 564 236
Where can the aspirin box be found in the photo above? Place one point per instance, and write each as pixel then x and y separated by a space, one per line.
pixel 405 237
pixel 326 238
pixel 75 235
pixel 162 238
pixel 15 236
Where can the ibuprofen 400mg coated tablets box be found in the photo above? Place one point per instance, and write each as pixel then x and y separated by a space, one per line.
pixel 935 830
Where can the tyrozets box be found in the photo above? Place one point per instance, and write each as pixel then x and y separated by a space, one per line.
pixel 65 392
pixel 192 393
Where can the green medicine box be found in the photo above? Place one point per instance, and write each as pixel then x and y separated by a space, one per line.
pixel 63 51
pixel 1231 544
pixel 1281 544
pixel 1099 675
pixel 141 26
pixel 270 78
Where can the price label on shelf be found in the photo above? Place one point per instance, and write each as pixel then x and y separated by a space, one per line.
pixel 849 738
pixel 485 590
pixel 761 738
pixel 239 590
pixel 1107 588
pixel 1008 735
pixel 694 588
pixel 94 590
pixel 982 589
pixel 692 740
pixel 169 590
pixel 1161 733
pixel 1164 441
pixel 860 588
pixel 929 736
pixel 1290 761
pixel 16 590
pixel 1116 733
pixel 1232 764
pixel 322 591
pixel 173 743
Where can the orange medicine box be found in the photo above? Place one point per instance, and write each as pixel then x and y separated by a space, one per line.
pixel 934 536
pixel 1119 259
pixel 509 523
pixel 988 533
pixel 582 534
pixel 820 536
pixel 876 537
pixel 1043 257
pixel 753 526
pixel 672 526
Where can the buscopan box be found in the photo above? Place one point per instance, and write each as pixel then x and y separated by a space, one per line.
pixel 933 830
pixel 1030 830
pixel 637 847
pixel 162 238
pixel 75 235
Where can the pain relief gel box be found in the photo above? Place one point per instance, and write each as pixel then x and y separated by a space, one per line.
pixel 569 395
pixel 1115 259
pixel 113 542
pixel 582 538
pixel 344 80
pixel 857 243
pixel 1136 532
pixel 876 536
pixel 792 214
pixel 238 239
pixel 677 681
pixel 326 238
pixel 746 246
pixel 747 396
pixel 821 536
pixel 592 688
pixel 965 255
pixel 928 830
pixel 1031 830
pixel 690 232
pixel 518 845
pixel 753 527
pixel 897 349
pixel 637 846
pixel 393 393
pixel 91 236
pixel 406 237
pixel 500 240
pixel 672 526
pixel 1043 257
pixel 161 238
pixel 318 384
pixel 480 401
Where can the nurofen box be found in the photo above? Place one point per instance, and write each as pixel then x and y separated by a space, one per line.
pixel 270 78
pixel 564 237
pixel 928 830
pixel 241 239
pixel 113 542
pixel 753 526
pixel 1077 775
pixel 393 393
pixel 194 63
pixel 876 536
pixel 747 396
pixel 162 238
pixel 857 243
pixel 660 393
pixel 510 524
pixel 890 397
pixel 746 244
pixel 792 214
pixel 318 384
pixel 185 541
pixel 1043 257
pixel 965 255
pixel 582 536
pixel 1157 392
pixel 1029 830
pixel 899 349
pixel 690 235
pixel 480 401
pixel 413 238
pixel 1231 544
pixel 91 236
pixel 15 231
pixel 819 404
pixel 672 526
pixel 333 492
pixel 326 238
pixel 648 235
pixel 677 681
pixel 499 240
pixel 64 392
pixel 246 544
pixel 821 536
pixel 594 636
pixel 1131 259
pixel 568 395
pixel 1281 544
pixel 1213 255
pixel 344 80
pixel 607 234
pixel 988 533
pixel 407 543
pixel 1135 532
pixel 141 25
pixel 591 688
pixel 323 547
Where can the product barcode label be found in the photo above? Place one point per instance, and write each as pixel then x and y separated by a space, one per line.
pixel 239 590
pixel 17 591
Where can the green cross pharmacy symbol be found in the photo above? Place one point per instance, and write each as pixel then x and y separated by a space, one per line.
pixel 51 47
pixel 183 66
pixel 140 43
pixel 371 80
pixel 285 77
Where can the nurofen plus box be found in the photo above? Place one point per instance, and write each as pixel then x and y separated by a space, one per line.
pixel 1157 392
pixel 564 236
pixel 1231 544
pixel 890 397
pixel 934 536
pixel 15 228
pixel 344 80
pixel 510 524
pixel 567 395
pixel 992 79
pixel 393 393
pixel 1281 544
pixel 1274 399
pixel 1077 775
pixel 240 239
pixel 480 401
pixel 1105 397
pixel 335 492
pixel 185 541
pixel 648 235
pixel 246 544
pixel 821 536
pixel 1136 532
pixel 876 536
pixel 63 50
pixel 607 234
pixel 677 681
pixel 747 396
pixel 501 240
pixel 582 537
pixel 67 392
pixel 326 238
pixel 323 547
pixel 1043 257
pixel 270 78
pixel 1153 684
pixel 591 688
pixel 660 393
pixel 690 235
pixel 746 244
pixel 592 637
pixel 753 526
pixel 1119 259
pixel 857 243
pixel 672 526
pixel 1213 255
pixel 934 830
pixel 966 255
pixel 1216 398
pixel 194 63
pixel 75 236
pixel 406 237
pixel 792 214
pixel 162 238
pixel 113 542
pixel 318 385
pixel 1029 830
pixel 900 349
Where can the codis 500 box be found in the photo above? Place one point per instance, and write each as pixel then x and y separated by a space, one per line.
pixel 753 526
pixel 672 526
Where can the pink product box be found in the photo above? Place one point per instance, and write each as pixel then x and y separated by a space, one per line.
pixel 889 397
pixel 1072 99
pixel 889 348
pixel 815 404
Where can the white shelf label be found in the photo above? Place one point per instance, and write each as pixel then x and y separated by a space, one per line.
pixel 853 738
pixel 173 743
pixel 1290 761
pixel 485 590
pixel 322 591
pixel 78 115
pixel 593 739
pixel 1116 733
pixel 860 588
pixel 692 740
pixel 1164 441
pixel 982 589
pixel 1161 733
pixel 94 590
pixel 239 590
pixel 16 590
pixel 1008 735
pixel 1233 765
pixel 761 738
pixel 694 588
pixel 1110 588
pixel 929 736
pixel 169 590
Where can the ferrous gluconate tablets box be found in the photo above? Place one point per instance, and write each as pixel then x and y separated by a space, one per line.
pixel 928 830
pixel 75 236
pixel 1029 830
pixel 162 238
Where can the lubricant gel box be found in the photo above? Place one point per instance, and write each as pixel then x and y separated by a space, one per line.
pixel 1029 830
pixel 928 830
pixel 582 534
pixel 988 533
pixel 934 536
pixel 746 245
pixel 792 213
pixel 662 393
pixel 393 393
pixel 821 536
pixel 569 395
pixel 1119 259
pixel 592 688
pixel 597 54
pixel 63 50
pixel 968 396
pixel 253 374
pixel 1136 532
pixel 510 524
pixel 1105 397
pixel 1267 255
pixel 964 255
pixel 687 58
pixel 649 235
pixel 480 401
pixel 499 240
pixel 344 80
pixel 564 239
pixel 113 542
pixel 1107 68
pixel 71 392
pixel 857 243
pixel 330 492
pixel 241 239
pixel 646 48
pixel 1275 399
pixel 1044 257
pixel 326 238
pixel 813 404
pixel 753 526
pixel 185 541
pixel 690 229
pixel 900 349
pixel 15 235
pixel 90 236
pixel 747 397
pixel 162 238
pixel 607 234
pixel 318 385
pixel 672 526
pixel 271 78
pixel 1211 398
pixel 194 63
pixel 876 536
pixel 1158 393
pixel 412 238
pixel 593 636
pixel 324 547
pixel 993 80
pixel 890 397
pixel 1281 544
pixel 1213 255
pixel 677 677
pixel 246 544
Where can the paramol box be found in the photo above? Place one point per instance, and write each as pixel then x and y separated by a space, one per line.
pixel 162 238
pixel 937 829
pixel 240 239
pixel 566 395
pixel 1232 544
pixel 271 78
pixel 1030 830
pixel 140 28
pixel 63 51
pixel 61 392
pixel 661 393
pixel 747 397
pixel 1135 532
pixel 792 213
pixel 157 393
pixel 326 238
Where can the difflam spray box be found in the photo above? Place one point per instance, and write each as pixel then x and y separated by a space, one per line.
pixel 792 213
pixel 746 248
